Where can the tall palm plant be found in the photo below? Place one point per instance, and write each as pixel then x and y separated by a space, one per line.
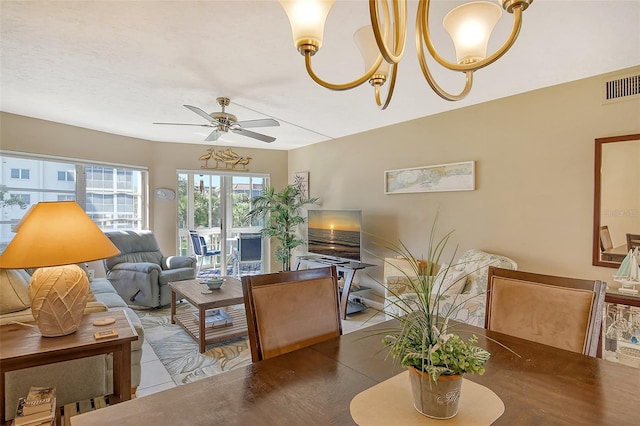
pixel 282 213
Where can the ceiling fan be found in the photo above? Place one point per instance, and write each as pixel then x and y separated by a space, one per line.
pixel 222 122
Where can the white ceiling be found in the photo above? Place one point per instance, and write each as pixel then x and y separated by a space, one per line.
pixel 119 66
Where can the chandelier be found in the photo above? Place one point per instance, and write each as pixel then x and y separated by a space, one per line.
pixel 382 43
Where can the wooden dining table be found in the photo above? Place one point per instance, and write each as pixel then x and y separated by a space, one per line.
pixel 538 384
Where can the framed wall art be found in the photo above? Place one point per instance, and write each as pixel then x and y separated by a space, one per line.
pixel 301 180
pixel 437 178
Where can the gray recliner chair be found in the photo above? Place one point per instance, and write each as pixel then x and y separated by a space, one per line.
pixel 140 273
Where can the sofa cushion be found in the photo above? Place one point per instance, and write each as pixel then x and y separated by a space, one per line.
pixel 449 281
pixel 102 285
pixel 14 290
pixel 111 300
pixel 398 284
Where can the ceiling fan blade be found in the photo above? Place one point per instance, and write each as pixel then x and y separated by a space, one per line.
pixel 254 135
pixel 264 122
pixel 186 124
pixel 200 112
pixel 213 136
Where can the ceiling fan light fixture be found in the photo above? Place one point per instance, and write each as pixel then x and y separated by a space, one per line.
pixel 307 19
pixel 470 26
pixel 224 122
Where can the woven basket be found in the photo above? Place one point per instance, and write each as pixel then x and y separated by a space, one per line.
pixel 629 356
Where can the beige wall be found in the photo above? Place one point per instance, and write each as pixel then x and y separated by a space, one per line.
pixel 19 133
pixel 534 157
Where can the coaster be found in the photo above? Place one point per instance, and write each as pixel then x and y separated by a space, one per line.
pixel 104 321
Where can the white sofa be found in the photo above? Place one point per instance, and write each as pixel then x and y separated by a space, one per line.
pixel 465 286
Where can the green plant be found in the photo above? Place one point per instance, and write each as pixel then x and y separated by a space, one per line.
pixel 11 200
pixel 282 213
pixel 424 339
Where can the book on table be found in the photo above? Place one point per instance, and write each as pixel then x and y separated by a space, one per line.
pixel 39 407
pixel 215 317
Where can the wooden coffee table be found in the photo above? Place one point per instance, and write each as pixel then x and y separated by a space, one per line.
pixel 228 295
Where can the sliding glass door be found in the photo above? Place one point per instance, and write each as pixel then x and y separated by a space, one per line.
pixel 215 204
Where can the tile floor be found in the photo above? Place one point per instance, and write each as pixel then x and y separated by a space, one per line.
pixel 155 377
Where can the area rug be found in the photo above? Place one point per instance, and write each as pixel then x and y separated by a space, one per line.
pixel 179 353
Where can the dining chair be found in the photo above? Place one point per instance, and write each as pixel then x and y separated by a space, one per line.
pixel 291 310
pixel 633 241
pixel 562 312
pixel 605 239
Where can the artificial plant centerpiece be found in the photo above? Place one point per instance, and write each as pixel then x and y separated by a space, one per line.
pixel 282 213
pixel 425 342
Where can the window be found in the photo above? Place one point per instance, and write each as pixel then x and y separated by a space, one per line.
pixel 20 174
pixel 113 196
pixel 66 176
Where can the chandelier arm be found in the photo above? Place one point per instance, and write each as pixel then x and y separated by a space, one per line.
pixel 423 29
pixel 392 85
pixel 427 73
pixel 399 27
pixel 345 86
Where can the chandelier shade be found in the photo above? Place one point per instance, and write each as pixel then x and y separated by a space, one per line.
pixel 470 26
pixel 307 20
pixel 366 42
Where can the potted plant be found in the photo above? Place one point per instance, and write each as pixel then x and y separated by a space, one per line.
pixel 425 343
pixel 282 212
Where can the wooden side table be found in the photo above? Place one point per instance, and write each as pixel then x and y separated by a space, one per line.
pixel 23 347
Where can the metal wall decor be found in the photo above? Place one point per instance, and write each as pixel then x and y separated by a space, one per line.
pixel 225 159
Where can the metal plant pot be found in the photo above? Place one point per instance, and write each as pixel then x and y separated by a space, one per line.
pixel 438 400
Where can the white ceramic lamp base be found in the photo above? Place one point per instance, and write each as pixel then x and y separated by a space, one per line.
pixel 58 296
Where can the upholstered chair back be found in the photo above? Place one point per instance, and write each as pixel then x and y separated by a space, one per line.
pixel 565 313
pixel 291 310
pixel 135 247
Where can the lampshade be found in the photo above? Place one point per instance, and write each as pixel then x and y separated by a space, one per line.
pixel 54 236
pixel 307 19
pixel 56 233
pixel 470 26
pixel 366 42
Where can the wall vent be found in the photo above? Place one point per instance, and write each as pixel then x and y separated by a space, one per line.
pixel 622 88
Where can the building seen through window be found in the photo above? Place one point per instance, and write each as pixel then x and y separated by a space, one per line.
pixel 114 197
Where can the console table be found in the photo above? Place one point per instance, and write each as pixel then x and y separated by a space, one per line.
pixel 347 268
pixel 23 346
pixel 613 296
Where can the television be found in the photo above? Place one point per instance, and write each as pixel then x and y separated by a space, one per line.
pixel 334 235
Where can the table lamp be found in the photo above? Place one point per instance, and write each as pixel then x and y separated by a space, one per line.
pixel 54 236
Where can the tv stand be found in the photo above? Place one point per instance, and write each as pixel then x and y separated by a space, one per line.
pixel 348 268
pixel 332 261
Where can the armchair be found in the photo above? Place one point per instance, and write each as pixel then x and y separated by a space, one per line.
pixel 464 289
pixel 140 272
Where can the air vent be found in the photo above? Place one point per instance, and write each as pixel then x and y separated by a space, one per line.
pixel 623 88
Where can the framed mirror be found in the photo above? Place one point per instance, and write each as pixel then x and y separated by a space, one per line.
pixel 616 200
